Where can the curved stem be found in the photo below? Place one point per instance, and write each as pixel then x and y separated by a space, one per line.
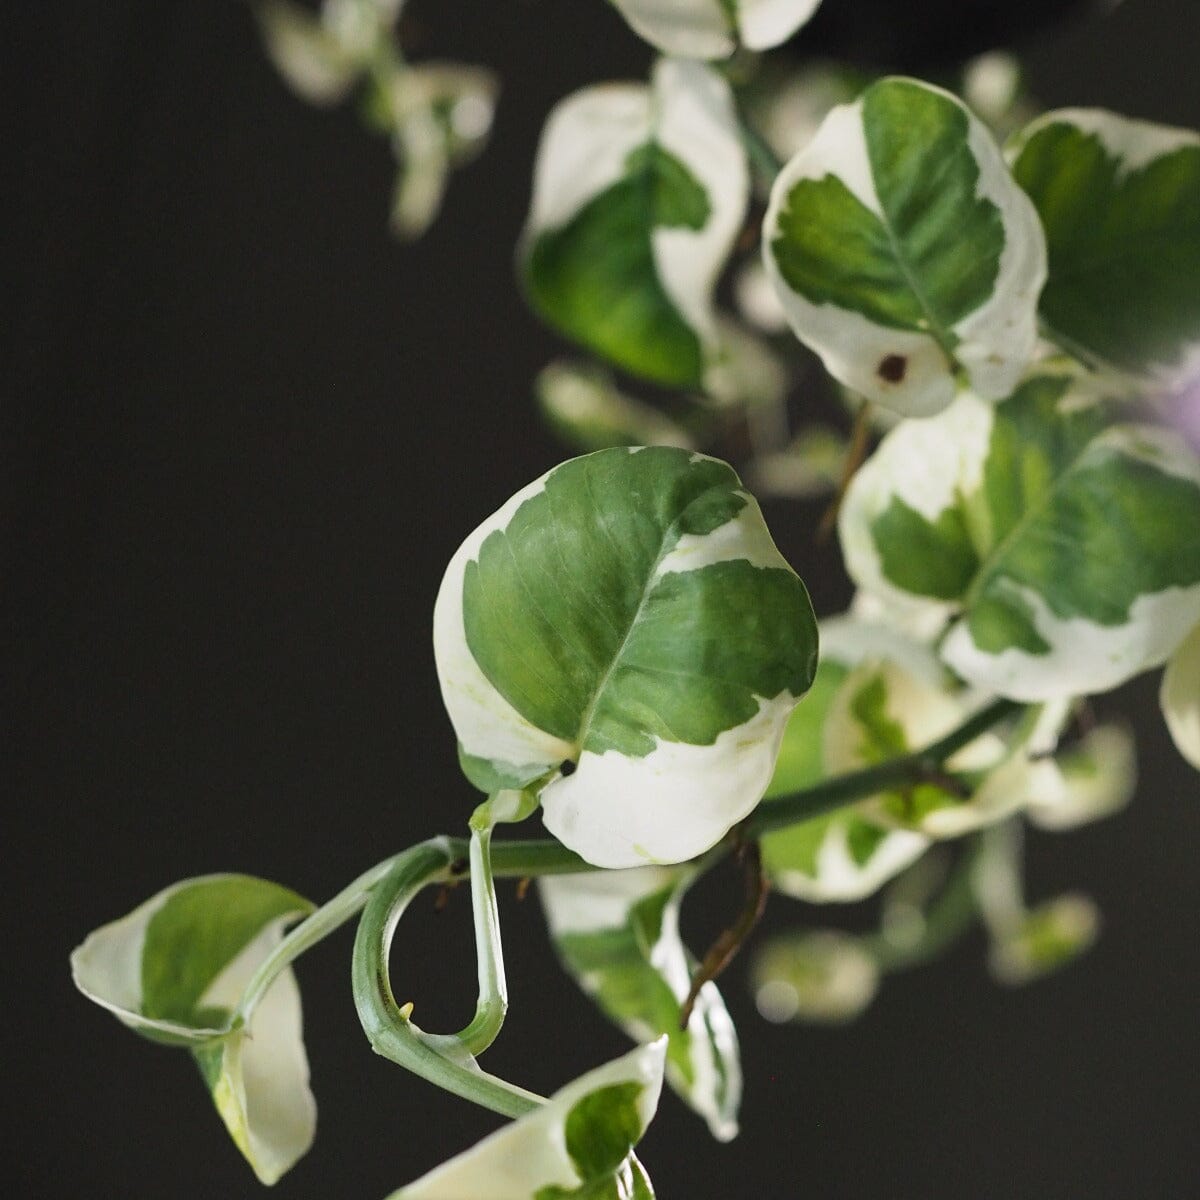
pixel 492 1005
pixel 831 794
pixel 442 1059
pixel 313 929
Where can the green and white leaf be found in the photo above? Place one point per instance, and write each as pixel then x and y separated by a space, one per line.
pixel 714 28
pixel 904 253
pixel 310 57
pixel 583 404
pixel 174 971
pixel 440 116
pixel 1120 203
pixel 1098 780
pixel 638 195
pixel 1180 697
pixel 579 1144
pixel 627 617
pixel 1027 944
pixel 617 935
pixel 849 854
pixel 1064 548
pixel 824 976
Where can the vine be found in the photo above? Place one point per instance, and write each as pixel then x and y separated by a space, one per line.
pixel 623 650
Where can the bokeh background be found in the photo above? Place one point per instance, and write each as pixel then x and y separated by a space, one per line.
pixel 243 431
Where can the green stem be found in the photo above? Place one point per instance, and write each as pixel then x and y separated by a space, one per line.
pixel 759 151
pixel 317 926
pixel 492 1005
pixel 442 1059
pixel 831 794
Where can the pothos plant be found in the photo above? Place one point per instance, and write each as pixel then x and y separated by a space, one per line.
pixel 622 648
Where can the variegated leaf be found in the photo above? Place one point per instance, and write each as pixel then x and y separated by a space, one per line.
pixel 1065 547
pixel 1099 776
pixel 849 854
pixel 579 1144
pixel 714 28
pixel 1180 697
pixel 583 404
pixel 624 637
pixel 904 253
pixel 823 976
pixel 638 195
pixel 174 970
pixel 617 935
pixel 1120 203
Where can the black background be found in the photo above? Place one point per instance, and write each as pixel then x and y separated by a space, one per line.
pixel 243 432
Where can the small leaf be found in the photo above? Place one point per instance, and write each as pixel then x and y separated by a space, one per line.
pixel 713 28
pixel 1120 203
pixel 306 53
pixel 617 935
pixel 1047 938
pixel 1180 697
pixel 1099 776
pixel 904 253
pixel 579 1144
pixel 823 976
pixel 174 970
pixel 1064 547
pixel 624 636
pixel 638 195
pixel 586 408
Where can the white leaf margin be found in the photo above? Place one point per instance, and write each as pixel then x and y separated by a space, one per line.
pixel 997 341
pixel 531 1153
pixel 703 29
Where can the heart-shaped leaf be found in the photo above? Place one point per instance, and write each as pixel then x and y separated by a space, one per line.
pixel 617 935
pixel 904 253
pixel 174 970
pixel 579 1144
pixel 1065 547
pixel 624 636
pixel 638 195
pixel 1120 203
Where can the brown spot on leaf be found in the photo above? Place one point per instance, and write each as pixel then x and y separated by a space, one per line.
pixel 892 368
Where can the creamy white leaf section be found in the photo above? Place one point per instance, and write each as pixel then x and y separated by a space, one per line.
pixel 263 1094
pixel 1084 657
pixel 840 878
pixel 488 726
pixel 711 29
pixel 107 969
pixel 1180 697
pixel 746 538
pixel 1134 144
pixel 531 1153
pixel 927 465
pixel 672 804
pixel 696 123
pixel 1097 779
pixel 604 901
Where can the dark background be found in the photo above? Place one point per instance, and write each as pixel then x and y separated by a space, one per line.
pixel 243 432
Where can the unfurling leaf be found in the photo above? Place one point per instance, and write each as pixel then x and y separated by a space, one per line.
pixel 624 637
pixel 1120 203
pixel 617 935
pixel 1064 549
pixel 1099 775
pixel 638 195
pixel 904 253
pixel 174 970
pixel 579 1144
pixel 714 28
